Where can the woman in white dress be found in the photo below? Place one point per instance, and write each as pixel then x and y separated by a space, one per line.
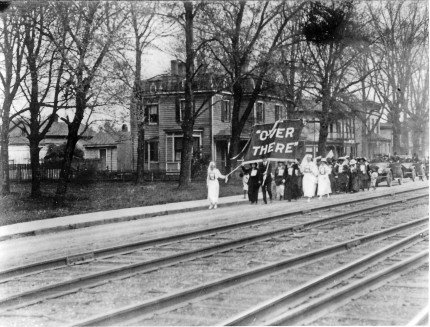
pixel 324 187
pixel 213 184
pixel 310 172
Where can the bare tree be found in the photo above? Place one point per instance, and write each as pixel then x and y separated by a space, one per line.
pixel 191 18
pixel 246 37
pixel 11 75
pixel 90 28
pixel 335 41
pixel 401 28
pixel 417 111
pixel 42 92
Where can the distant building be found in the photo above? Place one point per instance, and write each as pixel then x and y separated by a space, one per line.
pixel 342 138
pixel 19 149
pixel 113 149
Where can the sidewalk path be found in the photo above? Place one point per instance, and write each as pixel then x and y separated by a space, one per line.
pixel 106 217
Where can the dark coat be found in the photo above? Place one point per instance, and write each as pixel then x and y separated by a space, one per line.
pixel 262 168
pixel 292 190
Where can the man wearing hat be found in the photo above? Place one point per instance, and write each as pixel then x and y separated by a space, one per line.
pixel 266 171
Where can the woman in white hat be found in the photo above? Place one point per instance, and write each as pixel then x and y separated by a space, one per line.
pixel 324 185
pixel 213 184
pixel 310 173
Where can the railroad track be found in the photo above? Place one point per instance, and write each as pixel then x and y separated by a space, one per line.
pixel 188 306
pixel 322 302
pixel 61 289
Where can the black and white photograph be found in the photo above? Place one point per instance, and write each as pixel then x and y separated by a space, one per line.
pixel 214 163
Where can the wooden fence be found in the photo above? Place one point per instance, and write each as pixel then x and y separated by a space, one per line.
pixel 22 172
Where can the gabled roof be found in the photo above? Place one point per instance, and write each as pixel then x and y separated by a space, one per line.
pixel 108 139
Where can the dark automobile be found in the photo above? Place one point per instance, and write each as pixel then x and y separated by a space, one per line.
pixel 384 172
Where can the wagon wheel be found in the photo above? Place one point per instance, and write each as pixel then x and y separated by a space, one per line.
pixel 389 179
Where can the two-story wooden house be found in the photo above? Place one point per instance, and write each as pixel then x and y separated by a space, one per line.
pixel 161 108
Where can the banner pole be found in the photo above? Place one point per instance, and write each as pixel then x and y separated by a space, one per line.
pixel 233 170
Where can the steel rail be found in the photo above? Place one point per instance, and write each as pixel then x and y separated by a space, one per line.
pixel 58 262
pixel 421 318
pixel 339 297
pixel 130 312
pixel 259 314
pixel 94 279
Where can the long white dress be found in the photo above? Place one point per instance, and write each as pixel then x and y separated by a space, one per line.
pixel 324 185
pixel 309 171
pixel 213 185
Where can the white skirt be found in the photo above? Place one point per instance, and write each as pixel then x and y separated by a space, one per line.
pixel 309 185
pixel 324 186
pixel 213 191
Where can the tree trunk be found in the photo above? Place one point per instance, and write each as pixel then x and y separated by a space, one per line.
pixel 186 158
pixel 4 153
pixel 236 129
pixel 72 139
pixel 322 140
pixel 188 119
pixel 140 153
pixel 324 124
pixel 397 130
pixel 35 168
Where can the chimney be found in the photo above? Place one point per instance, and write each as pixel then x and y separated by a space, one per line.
pixel 174 67
pixel 55 119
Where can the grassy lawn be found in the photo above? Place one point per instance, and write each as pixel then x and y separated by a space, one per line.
pixel 19 207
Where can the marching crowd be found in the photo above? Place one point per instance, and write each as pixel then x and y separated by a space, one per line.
pixel 312 177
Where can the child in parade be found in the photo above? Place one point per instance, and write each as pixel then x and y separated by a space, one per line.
pixel 266 184
pixel 279 180
pixel 291 179
pixel 213 184
pixel 324 185
pixel 310 173
pixel 245 179
pixel 373 178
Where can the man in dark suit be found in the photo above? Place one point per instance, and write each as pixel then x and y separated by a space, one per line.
pixel 266 172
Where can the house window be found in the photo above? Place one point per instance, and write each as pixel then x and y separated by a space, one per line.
pixel 278 112
pixel 102 155
pixel 338 127
pixel 152 152
pixel 259 114
pixel 225 111
pixel 182 110
pixel 331 128
pixel 151 114
pixel 178 147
